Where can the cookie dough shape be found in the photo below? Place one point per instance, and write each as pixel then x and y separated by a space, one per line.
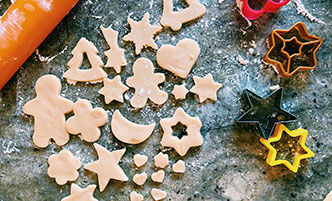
pixel 115 55
pixel 94 74
pixel 49 109
pixel 77 193
pixel 146 82
pixel 328 196
pixel 176 19
pixel 134 196
pixel 140 179
pixel 158 194
pixel 180 92
pixel 107 166
pixel 179 167
pixel 140 160
pixel 158 176
pixel 86 120
pixel 205 88
pixel 129 132
pixel 63 167
pixel 161 160
pixel 113 90
pixel 193 137
pixel 142 33
pixel 179 59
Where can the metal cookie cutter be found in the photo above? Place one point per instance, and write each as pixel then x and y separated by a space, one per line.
pixel 252 14
pixel 278 134
pixel 266 112
pixel 292 50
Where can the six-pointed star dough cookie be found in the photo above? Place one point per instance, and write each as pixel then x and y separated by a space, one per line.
pixel 107 166
pixel 77 193
pixel 205 88
pixel 180 91
pixel 194 137
pixel 142 33
pixel 113 90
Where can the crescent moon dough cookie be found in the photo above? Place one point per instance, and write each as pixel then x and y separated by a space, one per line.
pixel 49 109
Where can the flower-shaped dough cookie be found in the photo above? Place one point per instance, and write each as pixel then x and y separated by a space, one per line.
pixel 146 82
pixel 63 167
pixel 86 120
pixel 142 33
pixel 193 137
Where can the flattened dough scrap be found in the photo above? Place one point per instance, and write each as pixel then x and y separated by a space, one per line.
pixel 140 179
pixel 158 176
pixel 134 196
pixel 179 167
pixel 129 132
pixel 193 137
pixel 115 55
pixel 86 120
pixel 107 166
pixel 179 59
pixel 140 160
pixel 176 19
pixel 77 193
pixel 113 90
pixel 142 33
pixel 63 167
pixel 94 74
pixel 158 194
pixel 146 82
pixel 205 88
pixel 49 109
pixel 161 160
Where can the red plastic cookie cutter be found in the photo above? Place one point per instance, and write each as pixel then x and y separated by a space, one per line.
pixel 270 6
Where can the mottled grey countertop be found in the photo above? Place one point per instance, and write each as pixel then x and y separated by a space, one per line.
pixel 230 165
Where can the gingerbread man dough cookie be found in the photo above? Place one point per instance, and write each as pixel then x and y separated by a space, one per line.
pixel 86 120
pixel 48 110
pixel 94 74
pixel 146 82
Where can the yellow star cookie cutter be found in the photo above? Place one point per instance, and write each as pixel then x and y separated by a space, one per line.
pixel 271 157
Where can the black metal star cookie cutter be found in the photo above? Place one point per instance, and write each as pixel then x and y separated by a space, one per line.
pixel 261 112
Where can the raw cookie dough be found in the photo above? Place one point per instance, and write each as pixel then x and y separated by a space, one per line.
pixel 134 196
pixel 179 167
pixel 180 91
pixel 146 82
pixel 94 74
pixel 140 160
pixel 176 19
pixel 205 88
pixel 115 55
pixel 107 166
pixel 158 176
pixel 86 120
pixel 113 90
pixel 161 160
pixel 140 179
pixel 328 197
pixel 129 132
pixel 179 59
pixel 158 194
pixel 49 109
pixel 142 33
pixel 77 193
pixel 63 167
pixel 193 137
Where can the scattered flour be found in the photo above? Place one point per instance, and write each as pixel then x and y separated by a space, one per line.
pixel 49 59
pixel 242 61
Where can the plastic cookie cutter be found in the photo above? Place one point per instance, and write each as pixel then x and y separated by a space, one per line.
pixel 292 50
pixel 266 112
pixel 270 6
pixel 297 147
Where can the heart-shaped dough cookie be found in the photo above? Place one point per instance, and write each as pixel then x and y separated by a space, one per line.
pixel 179 167
pixel 158 176
pixel 140 179
pixel 140 159
pixel 179 59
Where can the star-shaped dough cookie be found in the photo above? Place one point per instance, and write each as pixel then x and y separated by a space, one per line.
pixel 77 193
pixel 107 166
pixel 113 89
pixel 180 91
pixel 205 88
pixel 142 33
pixel 193 137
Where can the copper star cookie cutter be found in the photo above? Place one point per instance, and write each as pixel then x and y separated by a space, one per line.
pixel 292 50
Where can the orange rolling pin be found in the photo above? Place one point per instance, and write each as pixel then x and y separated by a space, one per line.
pixel 23 28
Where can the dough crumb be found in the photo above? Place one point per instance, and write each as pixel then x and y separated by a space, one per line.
pixel 242 61
pixel 275 87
